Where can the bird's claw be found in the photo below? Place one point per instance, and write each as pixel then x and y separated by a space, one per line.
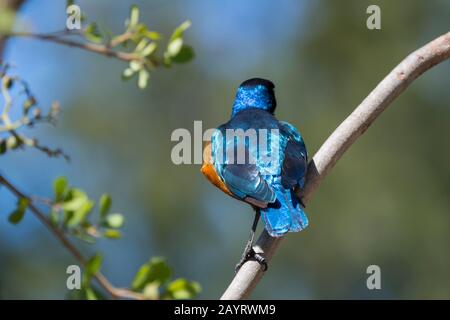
pixel 251 254
pixel 261 260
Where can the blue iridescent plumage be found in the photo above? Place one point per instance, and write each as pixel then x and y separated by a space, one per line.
pixel 269 175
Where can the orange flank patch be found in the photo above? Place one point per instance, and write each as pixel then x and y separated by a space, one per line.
pixel 210 173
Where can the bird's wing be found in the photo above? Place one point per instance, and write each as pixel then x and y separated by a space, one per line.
pixel 295 157
pixel 243 180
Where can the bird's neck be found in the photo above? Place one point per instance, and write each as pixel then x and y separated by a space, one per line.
pixel 256 97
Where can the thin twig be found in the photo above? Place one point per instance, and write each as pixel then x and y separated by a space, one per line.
pixel 341 139
pixel 105 50
pixel 92 47
pixel 99 277
pixel 6 108
pixel 120 39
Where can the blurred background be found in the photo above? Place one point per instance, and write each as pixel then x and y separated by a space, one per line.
pixel 386 202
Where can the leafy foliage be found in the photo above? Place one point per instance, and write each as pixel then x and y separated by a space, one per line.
pixel 143 45
pixel 17 215
pixel 177 51
pixel 153 281
pixel 71 211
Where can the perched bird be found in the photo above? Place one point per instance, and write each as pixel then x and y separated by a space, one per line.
pixel 265 176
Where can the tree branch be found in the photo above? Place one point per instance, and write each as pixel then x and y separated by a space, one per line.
pixel 92 47
pixel 340 140
pixel 99 277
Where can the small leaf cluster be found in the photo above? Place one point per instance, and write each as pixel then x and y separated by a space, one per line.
pixel 73 211
pixel 153 280
pixel 143 46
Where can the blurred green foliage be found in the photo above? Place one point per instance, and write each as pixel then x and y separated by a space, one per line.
pixel 70 214
pixel 17 215
pixel 144 44
pixel 71 209
pixel 153 280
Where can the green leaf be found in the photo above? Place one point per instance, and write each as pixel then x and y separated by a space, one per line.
pixel 151 291
pixel 93 265
pixel 152 35
pixel 59 188
pixel 148 50
pixel 135 65
pixel 186 54
pixel 75 200
pixel 178 32
pixel 77 207
pixel 134 16
pixel 144 75
pixel 17 215
pixel 105 204
pixel 90 294
pixel 93 34
pixel 182 289
pixel 85 237
pixel 114 220
pixel 140 279
pixel 156 270
pixel 141 45
pixel 112 234
pixel 139 32
pixel 80 214
pixel 127 74
pixel 174 47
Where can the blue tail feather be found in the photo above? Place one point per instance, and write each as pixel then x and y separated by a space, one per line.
pixel 285 214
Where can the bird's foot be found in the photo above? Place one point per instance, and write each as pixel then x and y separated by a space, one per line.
pixel 261 260
pixel 251 254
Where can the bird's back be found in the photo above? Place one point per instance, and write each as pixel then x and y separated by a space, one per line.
pixel 263 160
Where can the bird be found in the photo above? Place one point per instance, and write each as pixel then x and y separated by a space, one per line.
pixel 263 177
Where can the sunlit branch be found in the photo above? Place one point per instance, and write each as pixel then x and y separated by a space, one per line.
pixel 340 140
pixel 105 50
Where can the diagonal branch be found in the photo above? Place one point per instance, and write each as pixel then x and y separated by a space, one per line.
pixel 340 140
